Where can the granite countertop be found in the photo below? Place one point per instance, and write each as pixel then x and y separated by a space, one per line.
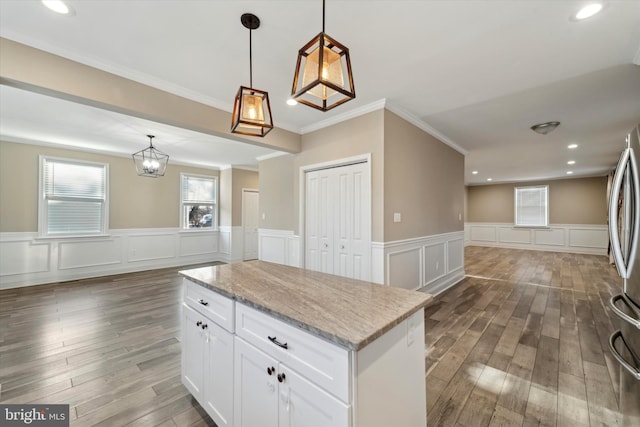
pixel 350 313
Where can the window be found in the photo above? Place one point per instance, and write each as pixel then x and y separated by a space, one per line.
pixel 532 206
pixel 199 195
pixel 73 197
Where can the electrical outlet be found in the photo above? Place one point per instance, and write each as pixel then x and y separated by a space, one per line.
pixel 397 217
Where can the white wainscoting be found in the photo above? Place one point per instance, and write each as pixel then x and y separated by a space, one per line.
pixel 575 238
pixel 279 246
pixel 431 264
pixel 231 244
pixel 27 260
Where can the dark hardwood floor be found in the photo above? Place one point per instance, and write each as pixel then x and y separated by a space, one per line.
pixel 521 341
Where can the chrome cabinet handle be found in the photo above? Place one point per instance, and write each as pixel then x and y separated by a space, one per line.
pixel 278 343
pixel 203 302
pixel 613 213
pixel 621 314
pixel 612 340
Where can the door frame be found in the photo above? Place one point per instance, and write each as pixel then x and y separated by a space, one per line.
pixel 302 197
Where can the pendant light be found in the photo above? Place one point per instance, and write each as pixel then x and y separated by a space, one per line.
pixel 251 109
pixel 150 162
pixel 323 78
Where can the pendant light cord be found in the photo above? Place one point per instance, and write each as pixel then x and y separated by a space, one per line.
pixel 251 61
pixel 323 16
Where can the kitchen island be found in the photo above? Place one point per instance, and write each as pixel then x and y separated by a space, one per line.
pixel 271 345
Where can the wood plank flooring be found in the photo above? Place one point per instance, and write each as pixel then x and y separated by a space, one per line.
pixel 521 341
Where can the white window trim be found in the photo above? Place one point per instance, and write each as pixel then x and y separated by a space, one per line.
pixel 42 205
pixel 515 207
pixel 215 226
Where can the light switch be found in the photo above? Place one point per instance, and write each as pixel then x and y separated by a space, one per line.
pixel 397 217
pixel 263 216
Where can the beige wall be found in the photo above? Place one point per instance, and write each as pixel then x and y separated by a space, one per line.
pixel 241 179
pixel 571 201
pixel 226 202
pixel 276 193
pixel 134 201
pixel 423 181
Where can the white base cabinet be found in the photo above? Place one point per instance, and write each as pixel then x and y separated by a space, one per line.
pixel 250 369
pixel 208 356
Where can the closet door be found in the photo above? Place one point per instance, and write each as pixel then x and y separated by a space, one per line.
pixel 352 221
pixel 338 221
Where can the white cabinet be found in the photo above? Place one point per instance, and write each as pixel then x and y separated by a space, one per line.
pixel 270 394
pixel 207 352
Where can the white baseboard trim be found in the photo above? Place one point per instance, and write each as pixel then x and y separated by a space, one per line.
pixel 571 238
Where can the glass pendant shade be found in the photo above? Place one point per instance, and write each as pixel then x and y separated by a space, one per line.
pixel 150 162
pixel 323 77
pixel 251 112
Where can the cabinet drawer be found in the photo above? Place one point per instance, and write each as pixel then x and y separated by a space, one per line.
pixel 320 361
pixel 216 307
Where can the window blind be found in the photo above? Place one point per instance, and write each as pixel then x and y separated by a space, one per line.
pixel 198 190
pixel 532 206
pixel 75 196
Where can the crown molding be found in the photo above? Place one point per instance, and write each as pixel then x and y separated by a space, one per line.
pixel 376 105
pixel 421 124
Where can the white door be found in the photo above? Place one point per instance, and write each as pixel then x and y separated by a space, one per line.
pixel 338 221
pixel 193 349
pixel 250 213
pixel 256 387
pixel 218 383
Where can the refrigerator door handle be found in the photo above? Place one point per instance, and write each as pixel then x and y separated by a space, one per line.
pixel 621 314
pixel 612 340
pixel 613 213
pixel 633 167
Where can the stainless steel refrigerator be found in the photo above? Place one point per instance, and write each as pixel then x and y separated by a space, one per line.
pixel 624 230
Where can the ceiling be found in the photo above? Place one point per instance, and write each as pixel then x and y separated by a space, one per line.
pixel 476 73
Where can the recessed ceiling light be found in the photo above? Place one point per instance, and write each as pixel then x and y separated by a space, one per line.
pixel 572 146
pixel 475 172
pixel 292 101
pixel 588 11
pixel 489 179
pixel 58 6
pixel 569 172
pixel 571 162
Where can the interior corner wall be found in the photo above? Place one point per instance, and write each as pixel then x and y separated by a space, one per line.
pixel 241 178
pixel 276 193
pixel 423 182
pixel 571 201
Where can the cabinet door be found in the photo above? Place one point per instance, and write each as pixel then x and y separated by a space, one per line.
pixel 256 387
pixel 302 404
pixel 218 374
pixel 193 349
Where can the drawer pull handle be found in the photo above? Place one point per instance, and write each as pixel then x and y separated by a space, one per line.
pixel 278 343
pixel 198 323
pixel 271 370
pixel 281 377
pixel 203 302
pixel 204 326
